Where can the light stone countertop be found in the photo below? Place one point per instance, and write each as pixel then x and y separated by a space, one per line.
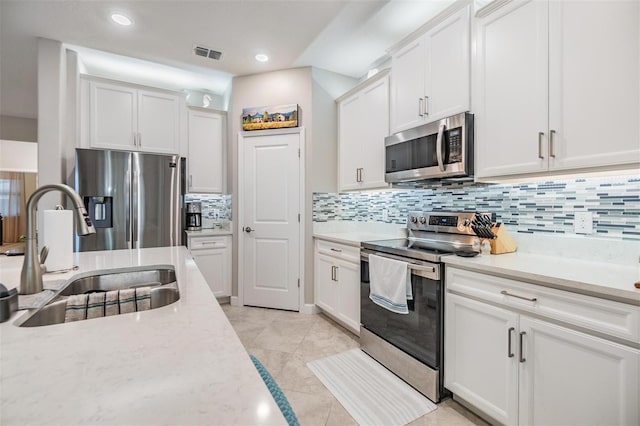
pixel 591 266
pixel 179 364
pixel 353 233
pixel 605 280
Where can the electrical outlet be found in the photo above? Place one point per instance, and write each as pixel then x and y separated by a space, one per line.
pixel 385 215
pixel 216 214
pixel 583 223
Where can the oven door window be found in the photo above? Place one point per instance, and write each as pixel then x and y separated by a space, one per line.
pixel 415 154
pixel 417 333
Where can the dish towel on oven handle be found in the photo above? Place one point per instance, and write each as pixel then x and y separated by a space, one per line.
pixel 390 283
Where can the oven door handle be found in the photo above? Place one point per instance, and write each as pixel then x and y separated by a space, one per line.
pixel 413 266
pixel 439 153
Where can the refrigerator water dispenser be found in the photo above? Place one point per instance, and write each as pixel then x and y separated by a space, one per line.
pixel 100 210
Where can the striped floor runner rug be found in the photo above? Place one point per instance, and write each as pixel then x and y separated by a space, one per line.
pixel 368 391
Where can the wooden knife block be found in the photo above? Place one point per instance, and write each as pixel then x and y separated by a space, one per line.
pixel 503 243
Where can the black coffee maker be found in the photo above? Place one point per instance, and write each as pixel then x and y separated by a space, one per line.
pixel 194 216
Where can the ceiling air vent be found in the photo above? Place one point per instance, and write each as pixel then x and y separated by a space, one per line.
pixel 205 52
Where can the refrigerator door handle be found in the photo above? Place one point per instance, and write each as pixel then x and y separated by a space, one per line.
pixel 127 205
pixel 135 193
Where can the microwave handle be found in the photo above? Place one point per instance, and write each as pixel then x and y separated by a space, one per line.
pixel 439 145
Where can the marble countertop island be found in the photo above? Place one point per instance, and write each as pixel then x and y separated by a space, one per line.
pixel 178 364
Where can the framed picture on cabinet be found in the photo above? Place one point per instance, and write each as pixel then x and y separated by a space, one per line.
pixel 270 117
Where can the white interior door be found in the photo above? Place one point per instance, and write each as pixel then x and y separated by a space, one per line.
pixel 270 231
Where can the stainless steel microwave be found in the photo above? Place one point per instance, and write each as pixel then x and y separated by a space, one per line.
pixel 442 149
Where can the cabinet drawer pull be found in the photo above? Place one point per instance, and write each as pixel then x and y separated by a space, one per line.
pixel 336 250
pixel 540 135
pixel 509 353
pixel 552 147
pixel 530 299
pixel 522 358
pixel 210 242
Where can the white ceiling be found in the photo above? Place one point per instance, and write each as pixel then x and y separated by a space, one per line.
pixel 346 37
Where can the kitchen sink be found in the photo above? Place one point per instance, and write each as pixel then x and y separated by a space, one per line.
pixel 161 280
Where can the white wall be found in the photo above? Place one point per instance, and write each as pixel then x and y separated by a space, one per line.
pixel 18 156
pixel 18 128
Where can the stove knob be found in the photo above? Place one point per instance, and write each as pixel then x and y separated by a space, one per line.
pixel 467 222
pixel 414 219
pixel 423 220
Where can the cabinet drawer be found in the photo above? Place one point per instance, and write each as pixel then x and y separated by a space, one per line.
pixel 199 243
pixel 341 251
pixel 604 316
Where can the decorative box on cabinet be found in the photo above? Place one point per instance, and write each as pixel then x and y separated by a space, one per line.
pixel 546 76
pixel 430 77
pixel 128 117
pixel 212 255
pixel 205 160
pixel 363 123
pixel 538 355
pixel 337 282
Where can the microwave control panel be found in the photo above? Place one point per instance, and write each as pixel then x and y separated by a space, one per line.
pixel 454 143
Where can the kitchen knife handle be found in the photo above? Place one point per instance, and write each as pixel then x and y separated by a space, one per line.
pixel 540 135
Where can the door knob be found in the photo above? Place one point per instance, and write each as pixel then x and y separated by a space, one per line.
pixel 248 229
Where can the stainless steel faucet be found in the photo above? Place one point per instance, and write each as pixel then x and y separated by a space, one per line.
pixel 31 278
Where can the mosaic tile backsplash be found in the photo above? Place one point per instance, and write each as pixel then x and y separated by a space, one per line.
pixel 212 204
pixel 540 207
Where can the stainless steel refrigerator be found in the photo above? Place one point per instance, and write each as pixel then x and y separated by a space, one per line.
pixel 134 199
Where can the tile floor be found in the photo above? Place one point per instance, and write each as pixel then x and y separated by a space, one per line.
pixel 285 341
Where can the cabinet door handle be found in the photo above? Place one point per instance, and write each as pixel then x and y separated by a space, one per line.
pixel 426 106
pixel 190 181
pixel 336 250
pixel 336 280
pixel 509 353
pixel 357 175
pixel 135 139
pixel 540 135
pixel 522 358
pixel 420 103
pixel 139 140
pixel 530 299
pixel 333 273
pixel 552 148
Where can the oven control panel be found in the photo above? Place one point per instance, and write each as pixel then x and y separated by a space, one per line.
pixel 449 222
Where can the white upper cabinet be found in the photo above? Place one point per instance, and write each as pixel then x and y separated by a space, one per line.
pixel 113 116
pixel 363 124
pixel 430 78
pixel 510 101
pixel 205 158
pixel 125 117
pixel 407 87
pixel 557 87
pixel 594 93
pixel 158 122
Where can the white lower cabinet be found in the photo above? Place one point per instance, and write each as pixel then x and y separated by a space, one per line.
pixel 337 283
pixel 213 257
pixel 520 369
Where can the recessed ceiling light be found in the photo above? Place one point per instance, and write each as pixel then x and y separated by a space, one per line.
pixel 121 19
pixel 261 57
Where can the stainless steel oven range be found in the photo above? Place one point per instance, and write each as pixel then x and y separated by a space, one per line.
pixel 411 345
